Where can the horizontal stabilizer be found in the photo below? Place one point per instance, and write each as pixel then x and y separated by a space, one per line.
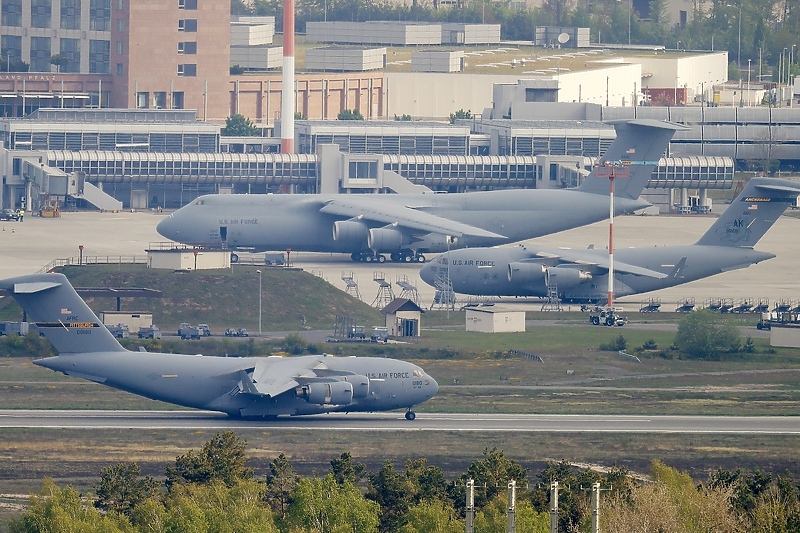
pixel 752 213
pixel 56 310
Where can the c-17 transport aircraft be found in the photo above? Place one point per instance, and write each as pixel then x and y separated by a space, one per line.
pixel 582 275
pixel 246 387
pixel 406 226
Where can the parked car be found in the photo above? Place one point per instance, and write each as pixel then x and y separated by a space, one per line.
pixel 9 214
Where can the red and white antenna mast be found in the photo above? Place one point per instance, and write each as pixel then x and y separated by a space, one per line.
pixel 611 171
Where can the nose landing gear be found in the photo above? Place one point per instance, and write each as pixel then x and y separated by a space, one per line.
pixel 410 415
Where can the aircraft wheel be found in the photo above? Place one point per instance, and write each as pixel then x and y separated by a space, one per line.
pixel 394 256
pixel 407 258
pixel 381 258
pixel 411 415
pixel 234 258
pixel 355 256
pixel 420 258
pixel 369 258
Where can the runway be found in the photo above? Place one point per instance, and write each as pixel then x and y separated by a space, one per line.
pixel 395 421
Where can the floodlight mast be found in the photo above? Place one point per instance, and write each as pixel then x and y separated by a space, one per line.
pixel 611 171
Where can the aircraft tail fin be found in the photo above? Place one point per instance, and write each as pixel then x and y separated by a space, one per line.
pixel 56 310
pixel 640 143
pixel 752 213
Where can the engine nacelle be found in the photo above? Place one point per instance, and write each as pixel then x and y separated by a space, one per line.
pixel 328 393
pixel 437 243
pixel 385 239
pixel 350 231
pixel 360 385
pixel 526 272
pixel 566 278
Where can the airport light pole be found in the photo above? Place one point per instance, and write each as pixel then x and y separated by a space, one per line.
pixel 80 254
pixel 611 171
pixel 259 302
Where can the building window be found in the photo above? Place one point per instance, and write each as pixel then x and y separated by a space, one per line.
pixel 188 70
pixel 159 100
pixel 120 69
pixel 177 100
pixel 189 47
pixel 120 4
pixel 70 14
pixel 187 25
pixel 187 4
pixel 120 24
pixel 11 49
pixel 40 54
pixel 142 100
pixel 41 13
pixel 12 13
pixel 100 15
pixel 99 57
pixel 120 47
pixel 71 49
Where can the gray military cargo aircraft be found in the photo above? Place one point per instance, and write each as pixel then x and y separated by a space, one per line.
pixel 407 226
pixel 582 275
pixel 246 387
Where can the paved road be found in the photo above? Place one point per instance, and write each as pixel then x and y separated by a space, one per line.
pixel 394 421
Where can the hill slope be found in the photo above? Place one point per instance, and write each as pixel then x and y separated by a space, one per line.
pixel 220 298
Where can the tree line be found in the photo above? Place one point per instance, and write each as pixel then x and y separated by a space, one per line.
pixel 213 489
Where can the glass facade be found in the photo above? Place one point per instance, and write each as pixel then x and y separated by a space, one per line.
pixel 70 14
pixel 11 48
pixel 100 15
pixel 12 13
pixel 41 53
pixel 41 13
pixel 99 57
pixel 71 49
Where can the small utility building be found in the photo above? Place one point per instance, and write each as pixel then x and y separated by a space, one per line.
pixel 402 318
pixel 493 320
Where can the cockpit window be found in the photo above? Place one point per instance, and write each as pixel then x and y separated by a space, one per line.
pixel 442 261
pixel 199 202
pixel 417 373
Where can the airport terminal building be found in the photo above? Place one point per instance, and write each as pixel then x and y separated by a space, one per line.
pixel 165 158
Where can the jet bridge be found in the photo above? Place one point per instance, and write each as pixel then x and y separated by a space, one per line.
pixel 45 183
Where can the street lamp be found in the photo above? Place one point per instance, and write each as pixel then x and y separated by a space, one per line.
pixel 739 50
pixel 259 302
pixel 749 103
pixel 80 254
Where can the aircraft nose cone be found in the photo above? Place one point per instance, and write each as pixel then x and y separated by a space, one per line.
pixel 168 228
pixel 427 275
pixel 434 386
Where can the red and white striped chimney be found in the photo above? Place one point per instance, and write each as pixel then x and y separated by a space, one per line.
pixel 287 89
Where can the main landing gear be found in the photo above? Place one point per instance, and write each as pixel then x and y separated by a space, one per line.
pixel 410 415
pixel 403 256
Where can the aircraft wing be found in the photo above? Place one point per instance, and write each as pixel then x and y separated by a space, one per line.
pixel 601 262
pixel 406 217
pixel 271 377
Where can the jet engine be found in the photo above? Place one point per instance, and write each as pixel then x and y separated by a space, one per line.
pixel 386 238
pixel 566 278
pixel 526 272
pixel 360 385
pixel 328 393
pixel 352 231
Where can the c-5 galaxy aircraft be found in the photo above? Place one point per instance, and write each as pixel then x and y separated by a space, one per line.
pixel 241 387
pixel 582 275
pixel 406 226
